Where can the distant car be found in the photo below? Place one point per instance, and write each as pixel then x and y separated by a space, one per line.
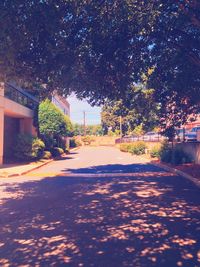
pixel 129 138
pixel 151 136
pixel 192 135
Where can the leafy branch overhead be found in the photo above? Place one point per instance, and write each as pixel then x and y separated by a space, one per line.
pixel 99 49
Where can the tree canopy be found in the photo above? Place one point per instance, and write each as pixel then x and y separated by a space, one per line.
pixel 98 49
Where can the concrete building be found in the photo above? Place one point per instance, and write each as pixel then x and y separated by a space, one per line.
pixel 61 103
pixel 16 116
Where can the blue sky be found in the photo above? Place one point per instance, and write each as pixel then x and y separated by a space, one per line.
pixel 76 111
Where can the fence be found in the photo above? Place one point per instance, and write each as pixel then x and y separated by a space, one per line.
pixel 19 96
pixel 192 149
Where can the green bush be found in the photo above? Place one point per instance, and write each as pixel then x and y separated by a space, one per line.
pixel 67 149
pixel 166 153
pixel 155 151
pixel 60 142
pixel 28 147
pixel 125 147
pixel 174 156
pixel 49 141
pixel 57 151
pixel 78 142
pixel 138 148
pixel 38 147
pixel 47 155
pixel 74 142
pixel 87 139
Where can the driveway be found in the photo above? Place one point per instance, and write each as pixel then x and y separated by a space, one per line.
pixel 99 207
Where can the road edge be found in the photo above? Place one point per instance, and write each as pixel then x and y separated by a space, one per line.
pixel 175 171
pixel 19 173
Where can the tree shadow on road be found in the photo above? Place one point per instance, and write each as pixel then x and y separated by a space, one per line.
pixel 116 168
pixel 147 220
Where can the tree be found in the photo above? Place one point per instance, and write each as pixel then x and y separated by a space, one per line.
pixel 94 130
pixel 137 109
pixel 68 126
pixel 78 129
pixel 99 49
pixel 90 129
pixel 110 120
pixel 52 123
pixel 175 55
pixel 85 48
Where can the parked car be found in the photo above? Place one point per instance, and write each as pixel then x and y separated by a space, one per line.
pixel 192 135
pixel 129 138
pixel 151 136
pixel 126 139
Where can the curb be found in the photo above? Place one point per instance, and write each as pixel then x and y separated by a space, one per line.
pixel 175 171
pixel 37 167
pixel 73 149
pixel 6 175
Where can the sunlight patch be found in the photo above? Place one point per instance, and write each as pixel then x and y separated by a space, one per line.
pixel 183 241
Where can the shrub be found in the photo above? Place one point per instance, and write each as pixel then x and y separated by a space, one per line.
pixel 125 147
pixel 38 147
pixel 67 149
pixel 60 142
pixel 138 148
pixel 74 143
pixel 166 153
pixel 47 155
pixel 174 156
pixel 49 141
pixel 78 142
pixel 28 147
pixel 87 139
pixel 155 151
pixel 23 147
pixel 57 151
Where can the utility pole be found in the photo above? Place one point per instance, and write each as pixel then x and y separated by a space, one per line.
pixel 120 124
pixel 84 124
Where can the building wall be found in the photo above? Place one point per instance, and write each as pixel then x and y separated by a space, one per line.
pixel 11 130
pixel 61 103
pixel 15 114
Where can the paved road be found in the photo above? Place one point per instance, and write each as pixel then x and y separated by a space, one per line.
pixel 94 160
pixel 99 207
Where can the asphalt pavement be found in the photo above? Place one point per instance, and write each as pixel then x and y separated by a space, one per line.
pixel 99 207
